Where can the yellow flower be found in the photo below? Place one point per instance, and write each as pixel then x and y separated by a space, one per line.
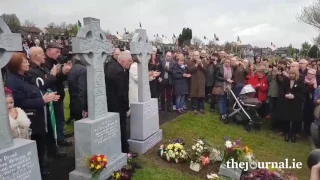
pixel 99 159
pixel 98 167
pixel 246 149
pixel 118 176
pixel 91 165
pixel 104 159
pixel 170 146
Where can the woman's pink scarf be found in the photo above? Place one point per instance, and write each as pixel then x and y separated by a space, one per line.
pixel 311 79
pixel 227 72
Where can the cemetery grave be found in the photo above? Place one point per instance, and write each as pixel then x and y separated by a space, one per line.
pixel 99 133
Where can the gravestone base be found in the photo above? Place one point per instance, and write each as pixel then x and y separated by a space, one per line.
pixel 105 174
pixel 143 146
pixel 144 119
pixel 100 136
pixel 20 161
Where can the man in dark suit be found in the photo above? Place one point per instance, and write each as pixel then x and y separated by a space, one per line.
pixel 118 92
pixel 77 84
pixel 53 54
pixel 165 79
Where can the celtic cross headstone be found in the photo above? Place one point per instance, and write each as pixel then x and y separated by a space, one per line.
pixel 144 126
pixel 18 157
pixel 100 132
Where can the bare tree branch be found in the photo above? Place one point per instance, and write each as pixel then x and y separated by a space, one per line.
pixel 310 14
pixel 29 23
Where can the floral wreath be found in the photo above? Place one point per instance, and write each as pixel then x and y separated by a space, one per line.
pixel 173 152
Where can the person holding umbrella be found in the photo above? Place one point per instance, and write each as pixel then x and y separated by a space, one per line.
pixel 28 97
pixel 45 79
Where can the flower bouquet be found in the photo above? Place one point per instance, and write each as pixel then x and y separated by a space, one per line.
pixel 96 164
pixel 236 153
pixel 199 155
pixel 173 152
pixel 239 153
pixel 127 172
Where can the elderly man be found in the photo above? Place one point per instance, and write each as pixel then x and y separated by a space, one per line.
pixel 303 64
pixel 198 69
pixel 166 66
pixel 37 70
pixel 118 93
pixel 53 53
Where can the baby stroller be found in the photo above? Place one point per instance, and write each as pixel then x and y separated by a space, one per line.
pixel 244 110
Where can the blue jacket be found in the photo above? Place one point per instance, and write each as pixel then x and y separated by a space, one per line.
pixel 27 96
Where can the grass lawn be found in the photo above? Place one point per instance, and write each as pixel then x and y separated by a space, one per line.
pixel 266 145
pixel 68 128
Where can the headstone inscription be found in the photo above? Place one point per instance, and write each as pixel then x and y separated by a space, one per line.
pixel 100 132
pixel 144 120
pixel 18 157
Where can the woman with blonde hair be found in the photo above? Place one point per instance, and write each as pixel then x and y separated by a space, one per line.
pixel 290 105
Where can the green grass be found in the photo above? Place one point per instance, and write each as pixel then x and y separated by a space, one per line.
pixel 266 145
pixel 68 128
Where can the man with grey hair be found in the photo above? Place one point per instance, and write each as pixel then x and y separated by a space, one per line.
pixel 118 92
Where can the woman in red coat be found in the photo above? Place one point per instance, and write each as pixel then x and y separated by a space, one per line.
pixel 260 84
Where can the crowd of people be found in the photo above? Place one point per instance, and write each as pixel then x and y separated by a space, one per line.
pixel 36 79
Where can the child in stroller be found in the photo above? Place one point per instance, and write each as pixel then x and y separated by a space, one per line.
pixel 244 110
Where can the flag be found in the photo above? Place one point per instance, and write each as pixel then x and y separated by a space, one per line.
pixel 79 23
pixel 274 46
pixel 174 36
pixel 125 30
pixel 239 41
pixel 140 24
pixel 204 37
pixel 216 37
pixel 117 32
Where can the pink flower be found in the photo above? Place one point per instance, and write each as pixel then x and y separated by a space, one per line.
pixel 205 160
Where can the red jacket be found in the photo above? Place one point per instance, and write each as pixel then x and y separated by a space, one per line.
pixel 262 90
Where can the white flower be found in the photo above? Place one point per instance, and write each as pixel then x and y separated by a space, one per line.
pixel 228 144
pixel 197 145
pixel 193 147
pixel 201 148
pixel 212 176
pixel 201 142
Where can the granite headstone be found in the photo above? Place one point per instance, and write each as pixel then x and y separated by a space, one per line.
pixel 18 157
pixel 144 118
pixel 100 132
pixel 232 173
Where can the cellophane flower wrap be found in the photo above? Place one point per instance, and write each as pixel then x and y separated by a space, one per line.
pixel 174 152
pixel 236 151
pixel 214 176
pixel 97 164
pixel 199 152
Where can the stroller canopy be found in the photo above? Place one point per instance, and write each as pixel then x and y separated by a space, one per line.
pixel 247 89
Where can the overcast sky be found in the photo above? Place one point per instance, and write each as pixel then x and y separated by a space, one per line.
pixel 257 22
